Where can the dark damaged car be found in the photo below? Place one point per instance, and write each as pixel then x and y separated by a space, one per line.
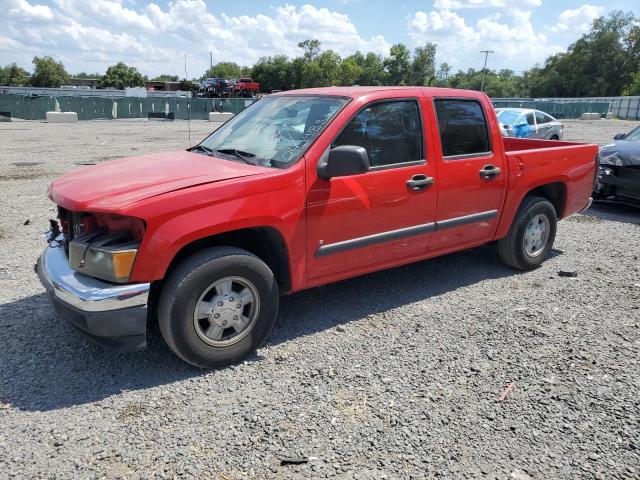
pixel 619 172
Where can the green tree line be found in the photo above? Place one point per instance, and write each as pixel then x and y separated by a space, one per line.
pixel 603 62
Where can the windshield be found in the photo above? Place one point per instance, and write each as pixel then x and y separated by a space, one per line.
pixel 275 131
pixel 633 136
pixel 508 117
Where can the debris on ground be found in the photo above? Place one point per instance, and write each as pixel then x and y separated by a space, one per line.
pixel 564 273
pixel 506 392
pixel 296 460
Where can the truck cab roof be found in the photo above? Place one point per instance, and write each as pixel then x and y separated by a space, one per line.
pixel 357 91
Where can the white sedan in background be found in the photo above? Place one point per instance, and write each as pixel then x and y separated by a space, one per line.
pixel 528 123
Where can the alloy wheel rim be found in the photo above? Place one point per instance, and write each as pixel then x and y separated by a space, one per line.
pixel 226 311
pixel 536 235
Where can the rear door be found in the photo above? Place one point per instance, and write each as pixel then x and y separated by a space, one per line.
pixel 471 173
pixel 543 125
pixel 358 221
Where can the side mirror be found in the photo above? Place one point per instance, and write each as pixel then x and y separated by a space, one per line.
pixel 619 136
pixel 343 161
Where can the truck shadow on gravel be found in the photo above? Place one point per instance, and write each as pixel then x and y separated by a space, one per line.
pixel 45 364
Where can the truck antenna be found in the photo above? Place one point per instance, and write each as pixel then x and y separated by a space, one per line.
pixel 186 76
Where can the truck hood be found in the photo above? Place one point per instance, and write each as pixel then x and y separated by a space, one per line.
pixel 117 183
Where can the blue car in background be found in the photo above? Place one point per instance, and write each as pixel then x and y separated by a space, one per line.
pixel 528 123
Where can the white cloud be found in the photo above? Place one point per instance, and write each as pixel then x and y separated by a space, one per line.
pixel 289 25
pixel 516 43
pixel 460 4
pixel 82 33
pixel 89 35
pixel 578 19
pixel 23 10
pixel 107 11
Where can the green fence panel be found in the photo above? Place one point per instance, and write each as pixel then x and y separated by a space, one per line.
pixel 200 108
pixel 129 107
pixel 152 105
pixel 172 107
pixel 557 108
pixel 122 108
pixel 34 107
pixel 9 103
pixel 84 107
pixel 233 105
pixel 182 108
pixel 103 107
pixel 136 107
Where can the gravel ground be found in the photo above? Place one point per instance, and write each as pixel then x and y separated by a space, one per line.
pixel 392 375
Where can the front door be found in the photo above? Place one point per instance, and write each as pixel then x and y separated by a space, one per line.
pixel 385 214
pixel 471 174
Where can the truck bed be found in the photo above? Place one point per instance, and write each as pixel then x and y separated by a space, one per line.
pixel 519 144
pixel 569 167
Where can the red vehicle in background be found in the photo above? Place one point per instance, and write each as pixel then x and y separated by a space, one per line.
pixel 246 87
pixel 302 189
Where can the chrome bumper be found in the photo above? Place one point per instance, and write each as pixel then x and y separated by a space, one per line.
pixel 85 293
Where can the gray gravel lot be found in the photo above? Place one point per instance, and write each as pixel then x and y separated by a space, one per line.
pixel 393 375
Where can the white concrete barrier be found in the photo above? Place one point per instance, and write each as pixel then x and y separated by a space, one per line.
pixel 62 117
pixel 590 116
pixel 220 116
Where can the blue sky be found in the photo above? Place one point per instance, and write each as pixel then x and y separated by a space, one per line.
pixel 154 35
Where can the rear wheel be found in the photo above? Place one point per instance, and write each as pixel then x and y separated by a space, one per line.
pixel 531 235
pixel 554 137
pixel 218 306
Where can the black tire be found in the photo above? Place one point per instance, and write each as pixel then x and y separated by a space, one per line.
pixel 511 248
pixel 191 278
pixel 554 137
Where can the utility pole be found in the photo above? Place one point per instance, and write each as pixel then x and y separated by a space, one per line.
pixel 484 69
pixel 210 58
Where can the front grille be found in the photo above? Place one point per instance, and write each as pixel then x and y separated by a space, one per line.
pixel 71 223
pixel 630 173
pixel 631 186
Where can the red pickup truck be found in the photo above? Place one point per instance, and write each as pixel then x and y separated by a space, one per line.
pixel 246 87
pixel 301 189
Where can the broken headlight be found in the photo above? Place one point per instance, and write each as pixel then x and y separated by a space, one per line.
pixel 107 256
pixel 604 170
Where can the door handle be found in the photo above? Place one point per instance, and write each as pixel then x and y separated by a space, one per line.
pixel 489 171
pixel 419 182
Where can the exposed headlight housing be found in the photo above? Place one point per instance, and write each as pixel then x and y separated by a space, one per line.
pixel 604 170
pixel 107 256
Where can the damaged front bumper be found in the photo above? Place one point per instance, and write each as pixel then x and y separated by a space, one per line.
pixel 115 316
pixel 618 184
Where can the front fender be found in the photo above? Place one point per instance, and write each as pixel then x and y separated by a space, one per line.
pixel 174 222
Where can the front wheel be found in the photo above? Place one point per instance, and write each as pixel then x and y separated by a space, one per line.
pixel 531 235
pixel 218 306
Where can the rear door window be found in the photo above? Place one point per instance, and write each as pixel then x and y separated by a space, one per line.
pixel 542 118
pixel 463 128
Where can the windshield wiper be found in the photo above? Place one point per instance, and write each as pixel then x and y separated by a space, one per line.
pixel 206 150
pixel 246 157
